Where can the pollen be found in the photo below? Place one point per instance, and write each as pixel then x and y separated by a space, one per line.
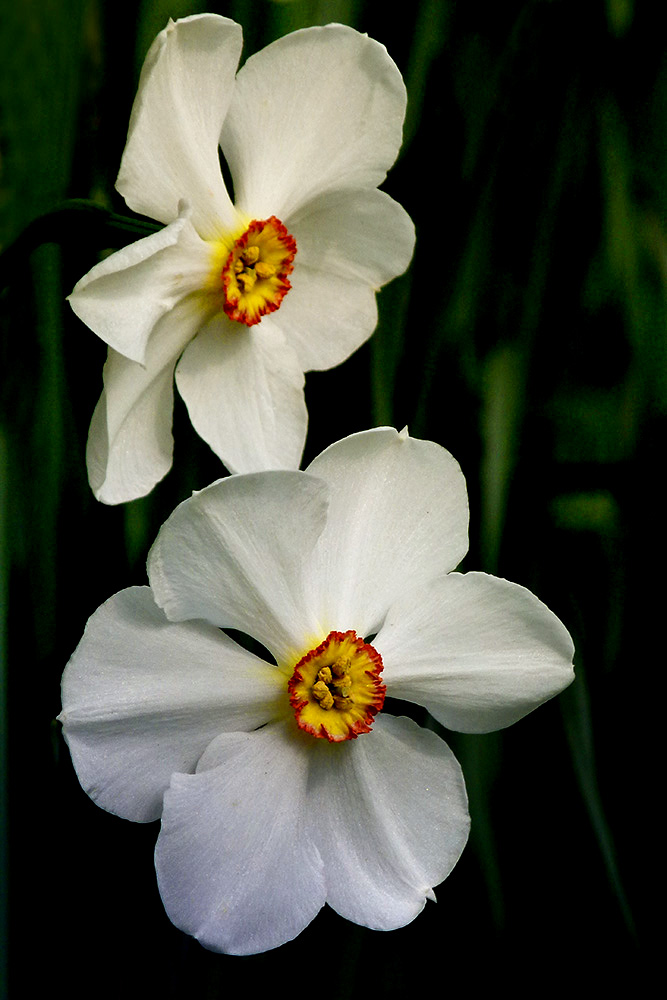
pixel 255 273
pixel 336 690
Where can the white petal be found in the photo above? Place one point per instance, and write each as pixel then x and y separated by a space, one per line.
pixel 122 298
pixel 348 244
pixel 130 443
pixel 184 91
pixel 234 555
pixel 318 110
pixel 477 651
pixel 243 388
pixel 354 234
pixel 388 814
pixel 143 698
pixel 325 317
pixel 398 516
pixel 233 866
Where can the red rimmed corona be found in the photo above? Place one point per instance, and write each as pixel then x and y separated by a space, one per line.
pixel 254 276
pixel 336 690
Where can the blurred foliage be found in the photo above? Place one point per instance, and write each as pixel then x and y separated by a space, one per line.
pixel 528 337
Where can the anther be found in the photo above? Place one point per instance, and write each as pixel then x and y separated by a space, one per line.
pixel 246 280
pixel 250 255
pixel 323 695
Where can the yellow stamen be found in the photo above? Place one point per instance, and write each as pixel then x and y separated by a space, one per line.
pixel 323 695
pixel 250 255
pixel 264 270
pixel 246 280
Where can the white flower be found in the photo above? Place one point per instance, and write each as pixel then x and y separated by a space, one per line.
pixel 248 295
pixel 263 822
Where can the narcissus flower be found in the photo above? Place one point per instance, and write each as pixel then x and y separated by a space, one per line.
pixel 242 297
pixel 284 785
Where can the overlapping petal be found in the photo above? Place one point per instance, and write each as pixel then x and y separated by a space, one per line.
pixel 244 392
pixel 398 516
pixel 319 110
pixel 234 867
pixel 130 443
pixel 234 555
pixel 478 652
pixel 271 827
pixel 185 89
pixel 143 698
pixel 124 296
pixel 390 819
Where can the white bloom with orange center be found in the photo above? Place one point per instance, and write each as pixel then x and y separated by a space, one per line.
pixel 241 298
pixel 283 785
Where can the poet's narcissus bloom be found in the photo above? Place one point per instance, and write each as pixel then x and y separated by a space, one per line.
pixel 284 785
pixel 242 297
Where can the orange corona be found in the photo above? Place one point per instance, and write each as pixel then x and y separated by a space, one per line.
pixel 335 689
pixel 255 273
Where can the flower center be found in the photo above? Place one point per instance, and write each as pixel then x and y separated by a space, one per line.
pixel 254 276
pixel 335 689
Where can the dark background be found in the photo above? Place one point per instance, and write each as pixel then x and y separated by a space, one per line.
pixel 528 337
